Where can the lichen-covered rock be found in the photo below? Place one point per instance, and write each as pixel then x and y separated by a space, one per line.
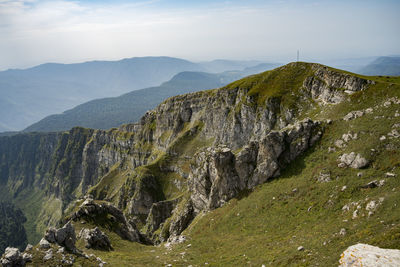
pixel 95 239
pixel 12 257
pixel 369 256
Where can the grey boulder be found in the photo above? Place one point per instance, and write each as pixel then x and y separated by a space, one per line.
pixel 12 257
pixel 95 238
pixel 369 256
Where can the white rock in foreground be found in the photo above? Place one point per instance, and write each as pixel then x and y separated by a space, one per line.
pixel 368 256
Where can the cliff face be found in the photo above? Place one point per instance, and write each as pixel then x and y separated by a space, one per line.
pixel 12 232
pixel 192 153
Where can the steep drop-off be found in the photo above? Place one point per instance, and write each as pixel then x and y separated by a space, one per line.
pixel 12 231
pixel 193 153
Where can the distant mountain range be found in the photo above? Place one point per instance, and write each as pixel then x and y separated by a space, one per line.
pixel 111 112
pixel 382 66
pixel 31 94
pixel 27 96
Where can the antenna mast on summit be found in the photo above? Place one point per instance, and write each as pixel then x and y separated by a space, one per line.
pixel 298 52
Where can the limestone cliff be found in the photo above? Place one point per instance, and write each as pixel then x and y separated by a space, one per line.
pixel 192 153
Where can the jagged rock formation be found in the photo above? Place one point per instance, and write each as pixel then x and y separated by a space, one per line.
pixel 92 212
pixel 369 256
pixel 159 212
pixel 217 175
pixel 13 258
pixel 95 238
pixel 64 236
pixel 244 134
pixel 324 83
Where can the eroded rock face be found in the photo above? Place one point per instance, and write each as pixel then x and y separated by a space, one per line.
pixel 95 238
pixel 183 215
pixel 64 236
pixel 159 212
pixel 90 210
pixel 231 117
pixel 213 179
pixel 369 256
pixel 325 82
pixel 217 175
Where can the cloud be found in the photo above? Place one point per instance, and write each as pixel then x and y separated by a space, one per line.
pixel 35 32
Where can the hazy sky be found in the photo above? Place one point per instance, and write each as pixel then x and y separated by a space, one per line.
pixel 37 31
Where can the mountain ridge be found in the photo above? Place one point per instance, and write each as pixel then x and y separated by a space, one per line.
pixel 55 87
pixel 199 152
pixel 383 66
pixel 127 108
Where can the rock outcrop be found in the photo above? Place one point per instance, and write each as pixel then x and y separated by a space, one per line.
pixel 182 216
pixel 95 212
pixel 352 160
pixel 64 236
pixel 95 239
pixel 159 212
pixel 244 134
pixel 218 175
pixel 369 256
pixel 324 83
pixel 12 257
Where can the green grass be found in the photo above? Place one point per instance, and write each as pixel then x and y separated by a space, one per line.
pixel 282 83
pixel 267 225
pixel 31 204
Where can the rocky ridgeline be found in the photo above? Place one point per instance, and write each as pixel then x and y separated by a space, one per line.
pixel 91 211
pixel 324 83
pixel 64 236
pixel 218 175
pixel 95 238
pixel 249 141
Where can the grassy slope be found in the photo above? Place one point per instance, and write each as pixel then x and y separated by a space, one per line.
pixel 267 226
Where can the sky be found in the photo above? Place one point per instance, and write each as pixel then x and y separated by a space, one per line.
pixel 33 32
